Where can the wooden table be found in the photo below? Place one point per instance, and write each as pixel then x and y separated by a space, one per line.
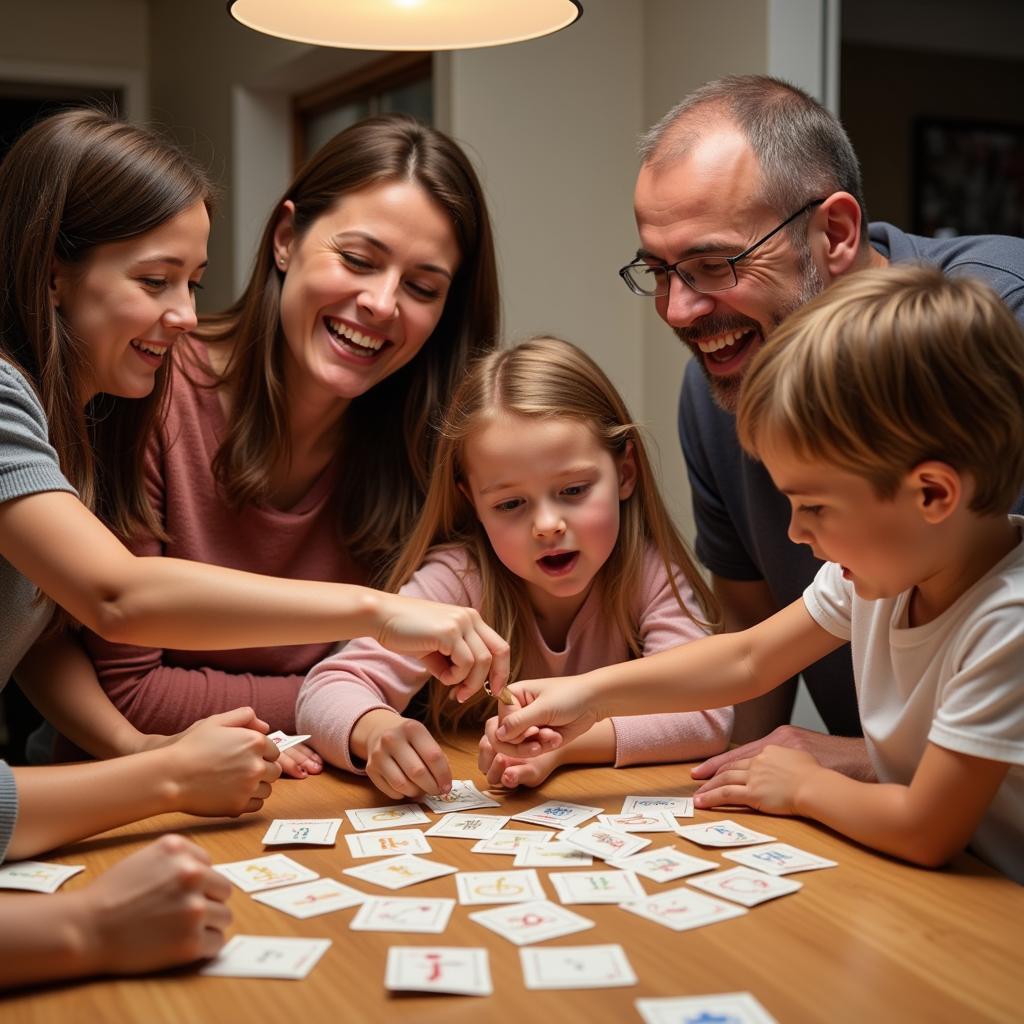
pixel 872 940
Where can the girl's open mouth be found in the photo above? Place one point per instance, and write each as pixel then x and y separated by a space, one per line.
pixel 559 563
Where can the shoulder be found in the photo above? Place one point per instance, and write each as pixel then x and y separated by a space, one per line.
pixel 655 580
pixel 448 574
pixel 18 393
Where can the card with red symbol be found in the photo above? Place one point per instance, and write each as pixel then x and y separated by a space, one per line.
pixel 746 886
pixel 457 970
pixel 527 923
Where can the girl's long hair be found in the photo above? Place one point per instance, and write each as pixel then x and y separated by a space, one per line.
pixel 544 378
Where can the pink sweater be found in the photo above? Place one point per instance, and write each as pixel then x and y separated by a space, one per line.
pixel 362 675
pixel 167 690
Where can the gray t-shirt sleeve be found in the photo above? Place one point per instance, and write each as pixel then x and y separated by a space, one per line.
pixel 8 808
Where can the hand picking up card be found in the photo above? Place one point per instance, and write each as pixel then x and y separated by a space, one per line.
pixel 296 832
pixel 527 923
pixel 369 819
pixel 464 796
pixel 397 914
pixel 311 899
pixel 730 1008
pixel 665 864
pixel 557 814
pixel 391 842
pixel 681 909
pixel 37 875
pixel 398 872
pixel 451 969
pixel 677 806
pixel 722 833
pixel 780 859
pixel 285 741
pixel 266 956
pixel 265 872
pixel 576 967
pixel 746 886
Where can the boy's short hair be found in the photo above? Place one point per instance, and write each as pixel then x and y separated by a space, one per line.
pixel 892 367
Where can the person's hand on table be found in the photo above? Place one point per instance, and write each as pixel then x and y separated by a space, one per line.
pixel 404 760
pixel 510 772
pixel 769 782
pixel 547 713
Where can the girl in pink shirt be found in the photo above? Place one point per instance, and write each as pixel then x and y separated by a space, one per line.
pixel 543 514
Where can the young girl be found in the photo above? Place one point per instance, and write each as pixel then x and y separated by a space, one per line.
pixel 543 514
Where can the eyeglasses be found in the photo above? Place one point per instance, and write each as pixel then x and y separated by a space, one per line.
pixel 701 273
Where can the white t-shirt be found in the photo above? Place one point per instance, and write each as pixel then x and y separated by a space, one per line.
pixel 957 682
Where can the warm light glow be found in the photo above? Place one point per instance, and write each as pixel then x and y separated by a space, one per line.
pixel 406 24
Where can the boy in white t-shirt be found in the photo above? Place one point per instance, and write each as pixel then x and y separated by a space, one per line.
pixel 890 410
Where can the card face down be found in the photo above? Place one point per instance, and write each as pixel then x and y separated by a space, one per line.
pixel 563 967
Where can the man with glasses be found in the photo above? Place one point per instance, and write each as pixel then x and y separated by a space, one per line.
pixel 748 203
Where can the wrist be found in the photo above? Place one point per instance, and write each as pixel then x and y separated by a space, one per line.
pixel 168 769
pixel 76 933
pixel 599 692
pixel 806 799
pixel 368 727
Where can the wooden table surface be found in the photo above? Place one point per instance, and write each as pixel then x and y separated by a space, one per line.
pixel 871 940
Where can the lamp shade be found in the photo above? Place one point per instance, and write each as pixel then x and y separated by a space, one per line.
pixel 406 24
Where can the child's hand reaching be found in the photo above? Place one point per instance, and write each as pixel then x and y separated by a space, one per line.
pixel 510 772
pixel 769 782
pixel 299 761
pixel 547 714
pixel 404 760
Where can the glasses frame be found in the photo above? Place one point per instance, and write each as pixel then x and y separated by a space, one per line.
pixel 673 268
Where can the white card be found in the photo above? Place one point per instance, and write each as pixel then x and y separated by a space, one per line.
pixel 640 821
pixel 297 832
pixel 746 886
pixel 475 887
pixel 557 814
pixel 681 909
pixel 464 825
pixel 606 843
pixel 391 842
pixel 398 872
pixel 399 914
pixel 284 741
pixel 552 855
pixel 597 886
pixel 665 864
pixel 311 899
pixel 722 833
pixel 780 859
pixel 464 796
pixel 37 875
pixel 457 970
pixel 265 872
pixel 510 840
pixel 369 819
pixel 266 956
pixel 677 806
pixel 576 967
pixel 729 1008
pixel 528 923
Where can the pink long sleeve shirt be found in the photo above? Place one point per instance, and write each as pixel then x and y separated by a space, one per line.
pixel 363 676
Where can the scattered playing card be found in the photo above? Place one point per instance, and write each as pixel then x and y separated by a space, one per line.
pixel 746 886
pixel 780 859
pixel 459 971
pixel 576 967
pixel 468 826
pixel 285 741
pixel 390 842
pixel 665 864
pixel 295 831
pixel 510 840
pixel 37 875
pixel 266 956
pixel 606 843
pixel 729 1008
pixel 398 914
pixel 311 899
pixel 498 887
pixel 557 814
pixel 464 796
pixel 640 821
pixel 527 923
pixel 369 819
pixel 722 833
pixel 597 886
pixel 265 872
pixel 398 872
pixel 677 806
pixel 552 855
pixel 681 909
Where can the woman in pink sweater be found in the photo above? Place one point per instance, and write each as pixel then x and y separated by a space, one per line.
pixel 543 514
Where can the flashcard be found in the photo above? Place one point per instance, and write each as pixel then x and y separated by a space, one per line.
pixel 498 887
pixel 576 967
pixel 729 1008
pixel 37 875
pixel 597 886
pixel 780 859
pixel 746 886
pixel 665 864
pixel 722 833
pixel 398 872
pixel 677 806
pixel 398 914
pixel 390 842
pixel 552 855
pixel 510 840
pixel 455 970
pixel 266 956
pixel 285 741
pixel 369 819
pixel 311 899
pixel 557 814
pixel 527 923
pixel 681 909
pixel 265 872
pixel 295 831
pixel 464 796
pixel 606 843
pixel 640 821
pixel 468 826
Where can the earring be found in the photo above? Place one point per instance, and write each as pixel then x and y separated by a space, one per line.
pixel 282 262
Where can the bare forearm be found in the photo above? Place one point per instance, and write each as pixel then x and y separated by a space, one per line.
pixel 42 938
pixel 595 746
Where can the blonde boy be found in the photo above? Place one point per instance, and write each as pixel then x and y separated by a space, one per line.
pixel 890 410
